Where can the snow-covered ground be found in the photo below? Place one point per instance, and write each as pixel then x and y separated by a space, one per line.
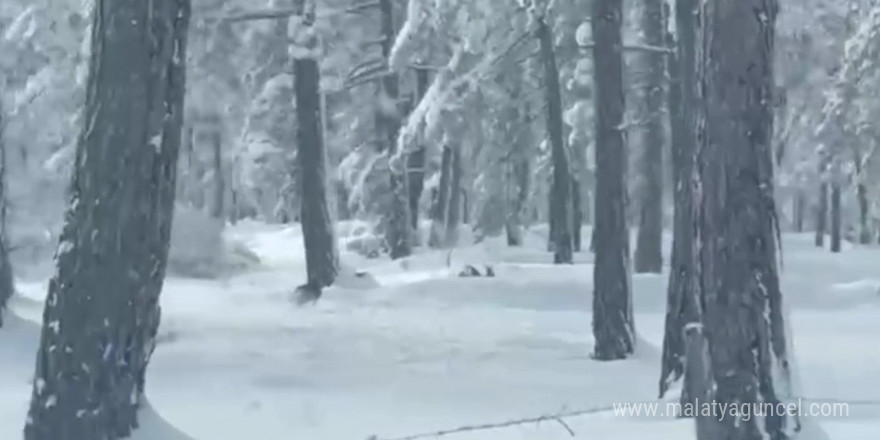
pixel 426 350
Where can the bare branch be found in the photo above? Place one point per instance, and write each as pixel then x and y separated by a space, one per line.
pixel 260 15
pixel 636 48
pixel 507 424
pixel 276 14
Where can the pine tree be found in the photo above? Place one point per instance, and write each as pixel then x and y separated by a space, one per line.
pixel 322 260
pixel 102 308
pixel 649 242
pixel 736 272
pixel 613 327
pixel 681 303
pixel 7 285
pixel 560 193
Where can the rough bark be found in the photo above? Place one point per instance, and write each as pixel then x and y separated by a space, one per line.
pixel 102 308
pixel 397 224
pixel 681 303
pixel 649 241
pixel 416 160
pixel 560 191
pixel 7 284
pixel 440 205
pixel 613 327
pixel 736 270
pixel 322 260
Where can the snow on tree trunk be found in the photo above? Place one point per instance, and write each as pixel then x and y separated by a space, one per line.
pixel 7 285
pixel 322 261
pixel 397 224
pixel 649 241
pixel 560 192
pixel 453 217
pixel 440 205
pixel 102 308
pixel 613 326
pixel 681 303
pixel 416 159
pixel 735 245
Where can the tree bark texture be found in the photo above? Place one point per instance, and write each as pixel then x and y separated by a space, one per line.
pixel 322 259
pixel 735 245
pixel 102 308
pixel 560 191
pixel 613 326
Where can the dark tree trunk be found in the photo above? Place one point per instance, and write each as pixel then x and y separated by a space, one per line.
pixel 578 214
pixel 397 224
pixel 613 327
pixel 416 160
pixel 836 225
pixel 560 192
pixel 465 207
pixel 102 308
pixel 736 271
pixel 521 177
pixel 219 195
pixel 7 284
pixel 649 241
pixel 864 227
pixel 322 261
pixel 453 217
pixel 440 205
pixel 800 204
pixel 681 305
pixel 822 207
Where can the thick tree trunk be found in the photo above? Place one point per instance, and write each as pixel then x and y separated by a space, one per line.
pixel 681 305
pixel 416 160
pixel 440 205
pixel 102 308
pixel 822 206
pixel 736 271
pixel 560 192
pixel 322 260
pixel 453 217
pixel 649 241
pixel 7 284
pixel 397 223
pixel 613 327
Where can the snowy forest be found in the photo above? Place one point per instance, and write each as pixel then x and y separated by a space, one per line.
pixel 457 219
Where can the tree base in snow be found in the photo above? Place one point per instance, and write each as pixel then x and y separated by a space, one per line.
pixel 307 294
